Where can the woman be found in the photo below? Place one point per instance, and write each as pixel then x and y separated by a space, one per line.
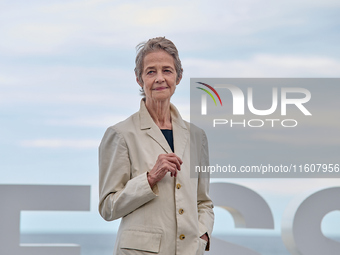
pixel 144 166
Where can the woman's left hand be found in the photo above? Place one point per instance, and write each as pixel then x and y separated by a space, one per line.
pixel 205 237
pixel 165 163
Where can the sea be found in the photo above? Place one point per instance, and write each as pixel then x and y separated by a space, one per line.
pixel 102 244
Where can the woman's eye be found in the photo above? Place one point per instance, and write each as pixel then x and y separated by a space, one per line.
pixel 150 72
pixel 167 71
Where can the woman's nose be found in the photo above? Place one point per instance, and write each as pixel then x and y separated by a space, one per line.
pixel 159 77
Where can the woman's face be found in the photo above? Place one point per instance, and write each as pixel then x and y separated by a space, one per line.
pixel 159 76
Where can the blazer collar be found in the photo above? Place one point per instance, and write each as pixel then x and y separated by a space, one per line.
pixel 180 130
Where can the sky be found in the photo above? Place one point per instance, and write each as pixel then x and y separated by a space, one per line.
pixel 66 74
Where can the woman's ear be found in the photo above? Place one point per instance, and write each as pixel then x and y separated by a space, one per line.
pixel 139 82
pixel 179 79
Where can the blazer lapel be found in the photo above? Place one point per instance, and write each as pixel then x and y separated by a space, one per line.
pixel 147 123
pixel 180 132
pixel 159 138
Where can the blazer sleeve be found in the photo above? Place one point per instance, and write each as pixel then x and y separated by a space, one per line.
pixel 119 195
pixel 204 203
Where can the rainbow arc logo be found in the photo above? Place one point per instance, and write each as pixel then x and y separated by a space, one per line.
pixel 209 93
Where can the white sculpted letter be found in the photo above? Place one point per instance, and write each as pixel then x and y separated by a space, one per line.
pixel 301 223
pixel 235 199
pixel 16 198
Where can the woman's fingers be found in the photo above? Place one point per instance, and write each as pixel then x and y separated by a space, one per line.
pixel 166 163
pixel 174 161
pixel 172 157
pixel 170 167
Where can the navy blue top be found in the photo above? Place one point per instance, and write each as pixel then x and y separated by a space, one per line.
pixel 169 137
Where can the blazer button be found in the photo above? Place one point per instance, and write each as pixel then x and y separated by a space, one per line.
pixel 181 211
pixel 178 186
pixel 182 237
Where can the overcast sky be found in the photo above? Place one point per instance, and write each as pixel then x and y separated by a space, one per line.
pixel 66 74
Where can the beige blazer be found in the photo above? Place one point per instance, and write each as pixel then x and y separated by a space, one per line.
pixel 170 218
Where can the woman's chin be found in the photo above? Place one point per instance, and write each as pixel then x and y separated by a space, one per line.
pixel 161 96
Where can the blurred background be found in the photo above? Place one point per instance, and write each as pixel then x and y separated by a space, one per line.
pixel 66 74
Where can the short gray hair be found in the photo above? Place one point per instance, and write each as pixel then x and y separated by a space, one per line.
pixel 154 44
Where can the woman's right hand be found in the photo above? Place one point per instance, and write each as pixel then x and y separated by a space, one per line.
pixel 165 163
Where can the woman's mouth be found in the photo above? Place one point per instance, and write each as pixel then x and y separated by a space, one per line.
pixel 160 88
